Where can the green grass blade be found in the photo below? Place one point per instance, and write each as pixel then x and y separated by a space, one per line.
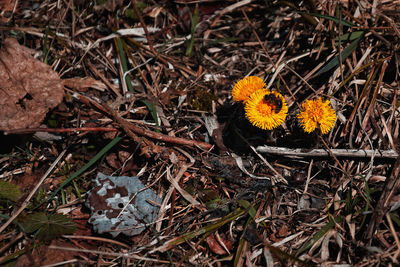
pixel 239 250
pixel 355 72
pixel 84 168
pixel 242 241
pixel 194 22
pixel 276 251
pixel 334 19
pixel 319 235
pixel 350 36
pixel 10 259
pixel 247 205
pixel 206 229
pixel 395 218
pixel 121 46
pixel 124 63
pixel 335 61
pixel 6 217
pixel 368 199
pixel 78 193
pixel 222 40
pixel 286 256
pixel 63 201
pixel 153 111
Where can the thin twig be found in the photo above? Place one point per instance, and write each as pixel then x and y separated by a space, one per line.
pixel 134 129
pixel 392 185
pixel 122 122
pixel 322 153
pixel 114 254
pixel 61 130
pixel 146 31
pixel 100 239
pixel 308 177
pixel 395 235
pixel 280 177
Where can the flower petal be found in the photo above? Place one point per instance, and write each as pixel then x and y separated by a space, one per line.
pixel 263 114
pixel 317 113
pixel 245 87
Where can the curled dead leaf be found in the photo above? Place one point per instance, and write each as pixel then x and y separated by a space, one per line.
pixel 29 87
pixel 215 245
pixel 7 8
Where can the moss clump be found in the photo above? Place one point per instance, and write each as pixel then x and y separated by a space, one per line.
pixel 202 100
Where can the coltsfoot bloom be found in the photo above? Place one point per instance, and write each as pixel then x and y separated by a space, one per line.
pixel 266 109
pixel 317 113
pixel 245 87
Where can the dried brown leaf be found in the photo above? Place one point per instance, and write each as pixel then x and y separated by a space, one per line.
pixel 216 247
pixel 42 255
pixel 29 87
pixel 82 84
pixel 6 10
pixel 113 161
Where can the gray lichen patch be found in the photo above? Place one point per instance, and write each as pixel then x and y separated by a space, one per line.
pixel 121 204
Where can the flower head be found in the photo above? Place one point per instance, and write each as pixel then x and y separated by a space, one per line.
pixel 316 112
pixel 266 109
pixel 245 87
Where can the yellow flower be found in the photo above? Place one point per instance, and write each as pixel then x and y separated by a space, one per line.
pixel 245 87
pixel 316 112
pixel 266 109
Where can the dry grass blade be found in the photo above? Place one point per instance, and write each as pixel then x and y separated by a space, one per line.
pixel 205 230
pixel 185 194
